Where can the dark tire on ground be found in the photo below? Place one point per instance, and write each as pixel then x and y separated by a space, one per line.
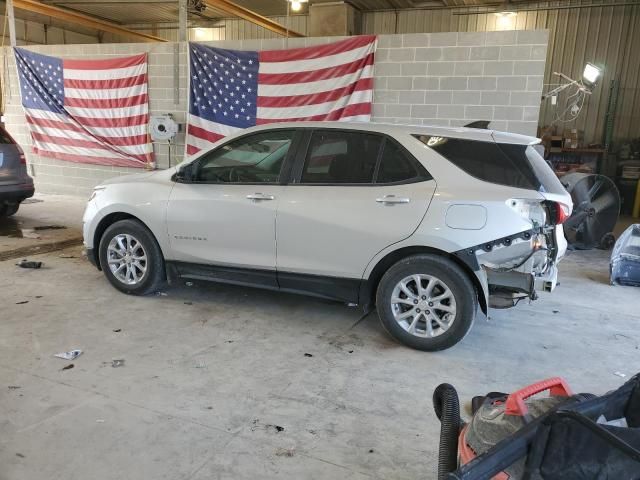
pixel 456 280
pixel 9 209
pixel 154 277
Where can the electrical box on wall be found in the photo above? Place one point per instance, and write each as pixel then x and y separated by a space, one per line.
pixel 163 127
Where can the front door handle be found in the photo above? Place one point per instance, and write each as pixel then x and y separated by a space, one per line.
pixel 260 196
pixel 392 200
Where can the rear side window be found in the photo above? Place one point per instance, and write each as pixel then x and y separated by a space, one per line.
pixel 486 161
pixel 341 157
pixel 548 180
pixel 396 166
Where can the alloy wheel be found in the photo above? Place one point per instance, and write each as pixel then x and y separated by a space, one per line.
pixel 423 305
pixel 127 259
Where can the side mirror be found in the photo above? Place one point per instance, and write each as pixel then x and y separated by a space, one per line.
pixel 183 175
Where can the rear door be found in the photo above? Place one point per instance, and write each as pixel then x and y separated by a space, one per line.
pixel 12 166
pixel 353 193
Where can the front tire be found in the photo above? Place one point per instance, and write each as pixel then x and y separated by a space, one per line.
pixel 131 258
pixel 426 302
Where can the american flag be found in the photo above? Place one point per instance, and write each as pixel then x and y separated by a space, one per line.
pixel 232 89
pixel 87 111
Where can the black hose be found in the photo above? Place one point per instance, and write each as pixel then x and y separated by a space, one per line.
pixel 447 407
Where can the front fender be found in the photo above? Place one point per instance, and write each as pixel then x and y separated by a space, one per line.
pixel 145 202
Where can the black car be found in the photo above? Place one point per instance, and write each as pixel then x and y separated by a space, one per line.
pixel 15 182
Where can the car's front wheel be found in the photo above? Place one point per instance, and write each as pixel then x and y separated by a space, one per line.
pixel 131 258
pixel 426 302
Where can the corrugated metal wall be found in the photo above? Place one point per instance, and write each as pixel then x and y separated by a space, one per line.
pixel 236 29
pixel 225 29
pixel 606 35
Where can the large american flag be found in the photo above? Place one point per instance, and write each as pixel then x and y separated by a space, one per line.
pixel 87 111
pixel 232 89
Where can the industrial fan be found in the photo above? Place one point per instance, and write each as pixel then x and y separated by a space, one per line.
pixel 596 206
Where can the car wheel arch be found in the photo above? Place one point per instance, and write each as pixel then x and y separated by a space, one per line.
pixel 369 285
pixel 109 220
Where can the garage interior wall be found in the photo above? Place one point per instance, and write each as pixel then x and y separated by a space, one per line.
pixel 606 35
pixel 441 78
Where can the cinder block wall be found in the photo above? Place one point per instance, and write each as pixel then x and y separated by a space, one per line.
pixel 433 79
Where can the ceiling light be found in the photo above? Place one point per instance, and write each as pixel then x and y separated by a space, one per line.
pixel 591 75
pixel 505 20
pixel 296 5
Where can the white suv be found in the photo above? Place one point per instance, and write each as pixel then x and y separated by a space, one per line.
pixel 425 223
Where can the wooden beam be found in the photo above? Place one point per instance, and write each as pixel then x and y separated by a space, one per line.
pixel 81 19
pixel 12 22
pixel 236 10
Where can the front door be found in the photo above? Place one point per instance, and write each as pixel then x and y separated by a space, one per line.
pixel 224 216
pixel 356 194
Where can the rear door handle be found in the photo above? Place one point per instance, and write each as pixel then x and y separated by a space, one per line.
pixel 260 196
pixel 392 200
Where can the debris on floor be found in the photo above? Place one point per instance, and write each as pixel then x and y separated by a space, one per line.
pixel 285 452
pixel 24 263
pixel 188 303
pixel 620 374
pixel 255 424
pixel 118 363
pixel 22 302
pixel 30 233
pixel 70 355
pixel 19 455
pixel 67 255
pixel 99 420
pixel 308 355
pixel 14 387
pixel 161 294
pixel 189 284
pixel 277 428
pixel 68 367
pixel 117 330
pixel 50 227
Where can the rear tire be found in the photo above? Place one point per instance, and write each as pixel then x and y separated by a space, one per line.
pixel 9 209
pixel 426 302
pixel 131 258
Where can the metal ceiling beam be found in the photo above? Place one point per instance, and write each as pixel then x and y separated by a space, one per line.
pixel 236 10
pixel 81 19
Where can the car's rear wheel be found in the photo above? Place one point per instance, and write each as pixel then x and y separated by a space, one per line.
pixel 9 209
pixel 131 258
pixel 426 302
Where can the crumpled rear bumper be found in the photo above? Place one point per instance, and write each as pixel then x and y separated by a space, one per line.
pixel 517 266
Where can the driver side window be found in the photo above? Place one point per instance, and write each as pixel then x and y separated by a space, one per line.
pixel 254 159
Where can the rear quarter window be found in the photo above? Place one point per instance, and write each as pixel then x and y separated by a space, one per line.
pixel 487 161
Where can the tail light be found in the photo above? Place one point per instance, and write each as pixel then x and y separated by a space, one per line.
pixel 560 212
pixel 23 159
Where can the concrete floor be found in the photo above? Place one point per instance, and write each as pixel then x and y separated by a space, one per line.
pixel 217 382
